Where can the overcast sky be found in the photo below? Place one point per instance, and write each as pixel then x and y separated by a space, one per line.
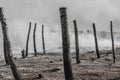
pixel 47 12
pixel 20 12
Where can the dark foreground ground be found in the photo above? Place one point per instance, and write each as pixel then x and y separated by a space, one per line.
pixel 50 67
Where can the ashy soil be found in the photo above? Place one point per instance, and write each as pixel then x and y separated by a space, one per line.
pixel 50 67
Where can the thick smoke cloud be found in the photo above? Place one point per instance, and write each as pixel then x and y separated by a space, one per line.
pixel 20 12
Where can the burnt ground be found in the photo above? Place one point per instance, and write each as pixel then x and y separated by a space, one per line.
pixel 50 67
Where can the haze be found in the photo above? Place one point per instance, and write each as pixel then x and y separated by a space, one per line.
pixel 20 12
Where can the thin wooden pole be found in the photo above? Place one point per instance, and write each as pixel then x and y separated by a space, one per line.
pixel 43 41
pixel 96 43
pixel 112 38
pixel 28 39
pixel 66 45
pixel 15 72
pixel 76 42
pixel 34 39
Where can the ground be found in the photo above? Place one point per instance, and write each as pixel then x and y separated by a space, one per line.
pixel 50 67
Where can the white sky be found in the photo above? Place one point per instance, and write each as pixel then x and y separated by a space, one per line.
pixel 20 12
pixel 47 12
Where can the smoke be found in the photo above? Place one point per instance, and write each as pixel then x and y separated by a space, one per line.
pixel 46 12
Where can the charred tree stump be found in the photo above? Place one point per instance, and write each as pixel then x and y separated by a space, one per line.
pixel 7 44
pixel 66 45
pixel 34 39
pixel 112 38
pixel 23 53
pixel 43 41
pixel 76 42
pixel 96 43
pixel 28 39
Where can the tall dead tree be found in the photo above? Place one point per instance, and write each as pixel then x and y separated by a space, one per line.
pixel 7 46
pixel 76 42
pixel 28 39
pixel 66 45
pixel 96 43
pixel 43 41
pixel 113 51
pixel 4 40
pixel 34 39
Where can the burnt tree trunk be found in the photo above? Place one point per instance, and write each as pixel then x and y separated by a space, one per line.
pixel 7 44
pixel 96 43
pixel 66 45
pixel 5 52
pixel 113 52
pixel 34 39
pixel 43 41
pixel 28 39
pixel 76 42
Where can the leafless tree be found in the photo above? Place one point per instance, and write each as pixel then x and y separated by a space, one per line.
pixel 76 42
pixel 7 46
pixel 66 45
